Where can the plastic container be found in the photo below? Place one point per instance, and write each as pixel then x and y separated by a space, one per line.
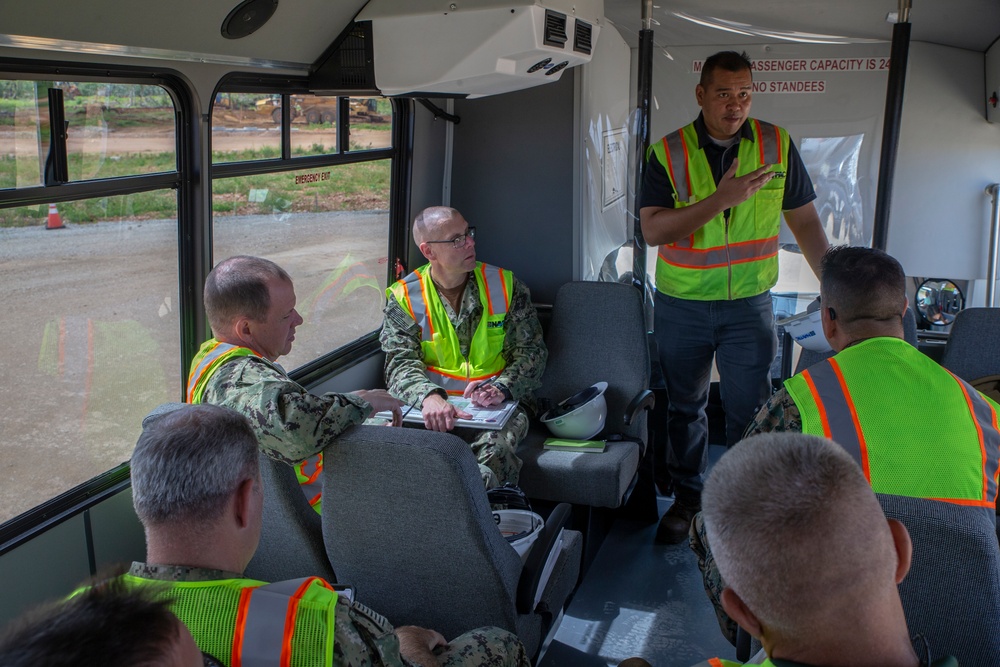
pixel 806 329
pixel 520 528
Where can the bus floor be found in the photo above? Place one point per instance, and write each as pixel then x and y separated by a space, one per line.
pixel 639 599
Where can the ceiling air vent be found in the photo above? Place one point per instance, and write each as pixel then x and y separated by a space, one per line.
pixel 582 36
pixel 347 67
pixel 555 29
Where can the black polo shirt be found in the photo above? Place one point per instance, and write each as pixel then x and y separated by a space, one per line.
pixel 657 190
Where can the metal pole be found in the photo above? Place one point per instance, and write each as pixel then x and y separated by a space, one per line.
pixel 991 271
pixel 890 124
pixel 643 96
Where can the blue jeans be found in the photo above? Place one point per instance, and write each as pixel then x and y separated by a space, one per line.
pixel 740 335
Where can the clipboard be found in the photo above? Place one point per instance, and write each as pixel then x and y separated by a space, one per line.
pixel 492 418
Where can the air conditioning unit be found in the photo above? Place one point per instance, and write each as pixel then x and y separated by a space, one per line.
pixel 474 48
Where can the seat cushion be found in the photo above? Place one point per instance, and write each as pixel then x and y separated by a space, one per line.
pixel 598 479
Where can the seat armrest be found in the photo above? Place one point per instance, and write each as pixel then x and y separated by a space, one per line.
pixel 531 573
pixel 644 400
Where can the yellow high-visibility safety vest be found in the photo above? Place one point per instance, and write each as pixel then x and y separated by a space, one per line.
pixel 914 428
pixel 243 622
pixel 442 354
pixel 732 259
pixel 212 354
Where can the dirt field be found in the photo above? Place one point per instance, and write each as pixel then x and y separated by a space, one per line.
pixel 92 329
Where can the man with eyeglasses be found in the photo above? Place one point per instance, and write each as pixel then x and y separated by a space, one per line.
pixel 458 327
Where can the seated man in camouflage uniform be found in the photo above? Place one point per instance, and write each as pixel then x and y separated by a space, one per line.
pixel 250 304
pixel 811 563
pixel 460 327
pixel 197 490
pixel 865 396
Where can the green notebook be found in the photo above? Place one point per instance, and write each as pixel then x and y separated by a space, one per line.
pixel 574 445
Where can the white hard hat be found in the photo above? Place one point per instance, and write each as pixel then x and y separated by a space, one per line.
pixel 581 416
pixel 806 329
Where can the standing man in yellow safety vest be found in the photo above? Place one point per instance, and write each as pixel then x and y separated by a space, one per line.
pixel 868 398
pixel 197 490
pixel 458 327
pixel 712 199
pixel 250 304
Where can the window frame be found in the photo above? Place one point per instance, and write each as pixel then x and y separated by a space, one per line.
pixel 190 222
pixel 400 155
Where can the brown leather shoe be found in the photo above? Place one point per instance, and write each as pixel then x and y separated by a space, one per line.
pixel 634 662
pixel 675 523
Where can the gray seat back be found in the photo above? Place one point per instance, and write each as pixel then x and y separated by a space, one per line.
pixel 972 352
pixel 406 521
pixel 808 357
pixel 291 538
pixel 952 593
pixel 598 333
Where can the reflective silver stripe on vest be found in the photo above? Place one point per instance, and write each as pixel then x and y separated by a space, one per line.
pixel 206 361
pixel 770 147
pixel 416 297
pixel 718 256
pixel 982 412
pixel 833 401
pixel 496 294
pixel 448 383
pixel 678 166
pixel 264 631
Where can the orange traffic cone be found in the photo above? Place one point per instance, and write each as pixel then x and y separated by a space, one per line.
pixel 54 221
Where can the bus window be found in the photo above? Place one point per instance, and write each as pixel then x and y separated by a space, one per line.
pixel 314 125
pixel 370 123
pixel 329 228
pixel 113 129
pixel 92 330
pixel 246 126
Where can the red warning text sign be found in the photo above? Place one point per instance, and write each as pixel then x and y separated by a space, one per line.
pixel 314 177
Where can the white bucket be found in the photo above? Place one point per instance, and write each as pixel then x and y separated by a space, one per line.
pixel 520 528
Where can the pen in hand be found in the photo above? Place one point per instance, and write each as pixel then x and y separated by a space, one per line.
pixel 413 405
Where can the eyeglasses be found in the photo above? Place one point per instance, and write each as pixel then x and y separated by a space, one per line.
pixel 459 241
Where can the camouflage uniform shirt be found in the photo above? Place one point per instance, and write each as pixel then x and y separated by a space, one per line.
pixel 523 347
pixel 779 414
pixel 364 638
pixel 523 352
pixel 291 423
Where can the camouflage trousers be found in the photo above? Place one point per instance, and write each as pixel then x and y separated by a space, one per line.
pixel 495 450
pixel 489 647
pixel 714 584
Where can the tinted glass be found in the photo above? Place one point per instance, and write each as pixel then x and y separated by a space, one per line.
pixel 92 331
pixel 329 228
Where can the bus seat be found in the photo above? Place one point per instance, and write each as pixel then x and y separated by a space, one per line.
pixel 971 351
pixel 809 357
pixel 407 523
pixel 597 333
pixel 291 537
pixel 952 592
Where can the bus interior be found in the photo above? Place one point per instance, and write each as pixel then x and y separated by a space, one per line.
pixel 141 143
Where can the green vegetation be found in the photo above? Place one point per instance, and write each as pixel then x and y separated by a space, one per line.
pixel 360 186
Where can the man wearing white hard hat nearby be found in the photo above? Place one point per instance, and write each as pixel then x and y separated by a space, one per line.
pixel 869 396
pixel 459 327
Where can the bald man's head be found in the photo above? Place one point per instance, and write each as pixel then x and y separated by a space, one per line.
pixel 797 532
pixel 426 224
